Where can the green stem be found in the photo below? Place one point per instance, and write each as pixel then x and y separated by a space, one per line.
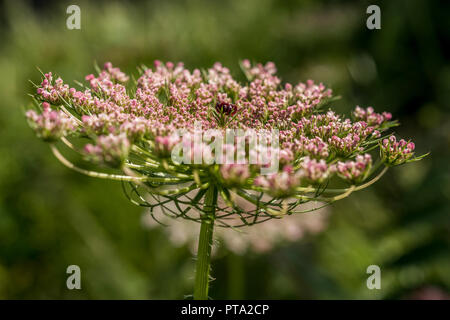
pixel 205 244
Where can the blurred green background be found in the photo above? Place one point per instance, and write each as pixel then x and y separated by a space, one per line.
pixel 51 217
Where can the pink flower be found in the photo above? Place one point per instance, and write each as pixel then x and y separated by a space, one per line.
pixel 280 184
pixel 311 145
pixel 355 171
pixel 371 117
pixel 164 145
pixel 50 125
pixel 235 174
pixel 396 152
pixel 315 171
pixel 112 150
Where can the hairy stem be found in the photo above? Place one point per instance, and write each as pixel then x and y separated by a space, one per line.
pixel 204 245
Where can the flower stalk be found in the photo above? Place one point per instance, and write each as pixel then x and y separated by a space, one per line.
pixel 204 245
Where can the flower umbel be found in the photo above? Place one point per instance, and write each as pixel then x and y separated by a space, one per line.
pixel 355 171
pixel 137 129
pixel 50 125
pixel 396 152
pixel 111 150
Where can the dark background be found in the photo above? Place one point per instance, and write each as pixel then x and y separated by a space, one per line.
pixel 51 217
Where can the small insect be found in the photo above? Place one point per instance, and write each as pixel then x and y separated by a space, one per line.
pixel 226 108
